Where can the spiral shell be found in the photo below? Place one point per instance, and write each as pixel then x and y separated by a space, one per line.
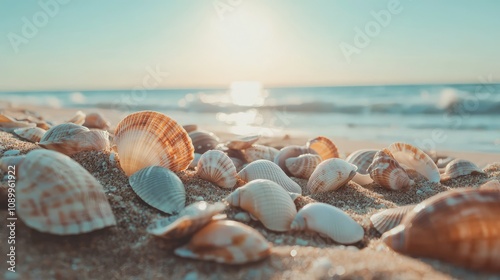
pixel 330 221
pixel 387 172
pixel 324 147
pixel 96 120
pixel 362 159
pixel 266 201
pixel 388 219
pixel 226 242
pixel 78 119
pixel 461 227
pixel 264 169
pixel 32 134
pixel 69 138
pixel 460 167
pixel 218 168
pixel 160 188
pixel 303 166
pixel 414 158
pixel 289 152
pixel 150 138
pixel 57 195
pixel 203 141
pixel 257 152
pixel 8 124
pixel 243 142
pixel 330 175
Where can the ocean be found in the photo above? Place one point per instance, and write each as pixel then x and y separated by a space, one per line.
pixel 449 117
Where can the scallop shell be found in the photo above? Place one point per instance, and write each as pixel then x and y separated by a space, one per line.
pixel 70 138
pixel 243 142
pixel 32 134
pixel 150 138
pixel 195 161
pixel 203 141
pixel 491 185
pixel 257 152
pixel 303 166
pixel 362 159
pixel 78 119
pixel 266 201
pixel 264 169
pixel 460 167
pixel 461 227
pixel 190 127
pixel 388 219
pixel 5 162
pixel 330 175
pixel 188 221
pixel 8 124
pixel 289 152
pixel 218 168
pixel 414 158
pixel 387 172
pixel 57 195
pixel 226 242
pixel 160 188
pixel 330 221
pixel 96 120
pixel 324 147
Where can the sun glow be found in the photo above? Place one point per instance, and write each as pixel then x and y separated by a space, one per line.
pixel 247 94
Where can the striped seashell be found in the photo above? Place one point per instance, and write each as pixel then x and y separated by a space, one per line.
pixel 461 227
pixel 362 159
pixel 5 162
pixel 330 175
pixel 8 124
pixel 264 169
pixel 226 242
pixel 330 221
pixel 57 195
pixel 32 134
pixel 257 152
pixel 159 188
pixel 490 185
pixel 303 166
pixel 96 120
pixel 266 201
pixel 218 168
pixel 196 158
pixel 324 147
pixel 78 119
pixel 460 167
pixel 69 138
pixel 190 127
pixel 244 142
pixel 289 152
pixel 150 138
pixel 188 221
pixel 203 141
pixel 387 172
pixel 414 158
pixel 388 219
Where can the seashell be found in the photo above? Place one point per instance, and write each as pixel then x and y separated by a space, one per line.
pixel 443 162
pixel 43 125
pixel 32 134
pixel 196 158
pixel 226 242
pixel 190 127
pixel 8 124
pixel 5 162
pixel 257 152
pixel 362 159
pixel 264 169
pixel 78 119
pixel 387 172
pixel 266 201
pixel 57 195
pixel 203 141
pixel 150 138
pixel 289 152
pixel 461 227
pixel 243 142
pixel 330 175
pixel 160 188
pixel 324 147
pixel 414 158
pixel 188 221
pixel 460 167
pixel 330 221
pixel 69 138
pixel 96 120
pixel 388 219
pixel 491 185
pixel 218 168
pixel 303 166
pixel 238 163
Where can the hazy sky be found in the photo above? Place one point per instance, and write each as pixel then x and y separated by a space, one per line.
pixel 96 44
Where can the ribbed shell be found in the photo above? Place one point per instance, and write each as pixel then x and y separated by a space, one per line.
pixel 226 242
pixel 264 169
pixel 387 172
pixel 303 166
pixel 414 158
pixel 324 147
pixel 8 124
pixel 257 152
pixel 78 119
pixel 96 120
pixel 218 168
pixel 70 138
pixel 5 162
pixel 330 221
pixel 32 134
pixel 57 195
pixel 243 142
pixel 362 159
pixel 330 175
pixel 203 141
pixel 388 219
pixel 289 152
pixel 160 188
pixel 460 167
pixel 266 201
pixel 461 227
pixel 150 138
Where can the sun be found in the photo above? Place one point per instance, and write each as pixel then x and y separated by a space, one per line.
pixel 247 94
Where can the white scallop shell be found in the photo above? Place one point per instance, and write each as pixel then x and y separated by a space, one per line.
pixel 32 134
pixel 264 169
pixel 257 152
pixel 303 166
pixel 324 147
pixel 218 168
pixel 390 218
pixel 460 167
pixel 289 152
pixel 414 158
pixel 69 138
pixel 330 175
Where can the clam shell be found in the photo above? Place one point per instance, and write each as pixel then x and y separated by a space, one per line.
pixel 190 127
pixel 57 195
pixel 460 167
pixel 5 162
pixel 492 185
pixel 303 166
pixel 387 172
pixel 330 221
pixel 96 120
pixel 32 134
pixel 150 138
pixel 244 142
pixel 416 159
pixel 362 159
pixel 218 168
pixel 160 188
pixel 226 242
pixel 330 175
pixel 195 161
pixel 8 124
pixel 324 147
pixel 289 152
pixel 70 138
pixel 264 169
pixel 257 152
pixel 78 119
pixel 266 201
pixel 203 141
pixel 388 219
pixel 461 227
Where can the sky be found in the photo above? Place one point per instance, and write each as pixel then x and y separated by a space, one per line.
pixel 121 44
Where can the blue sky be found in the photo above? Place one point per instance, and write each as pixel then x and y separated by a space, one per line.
pixel 95 44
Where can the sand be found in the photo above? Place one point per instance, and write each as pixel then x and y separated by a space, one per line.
pixel 127 251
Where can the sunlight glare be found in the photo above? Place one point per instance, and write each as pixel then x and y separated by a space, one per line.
pixel 247 94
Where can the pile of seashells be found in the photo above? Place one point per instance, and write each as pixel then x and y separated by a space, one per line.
pixel 459 226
